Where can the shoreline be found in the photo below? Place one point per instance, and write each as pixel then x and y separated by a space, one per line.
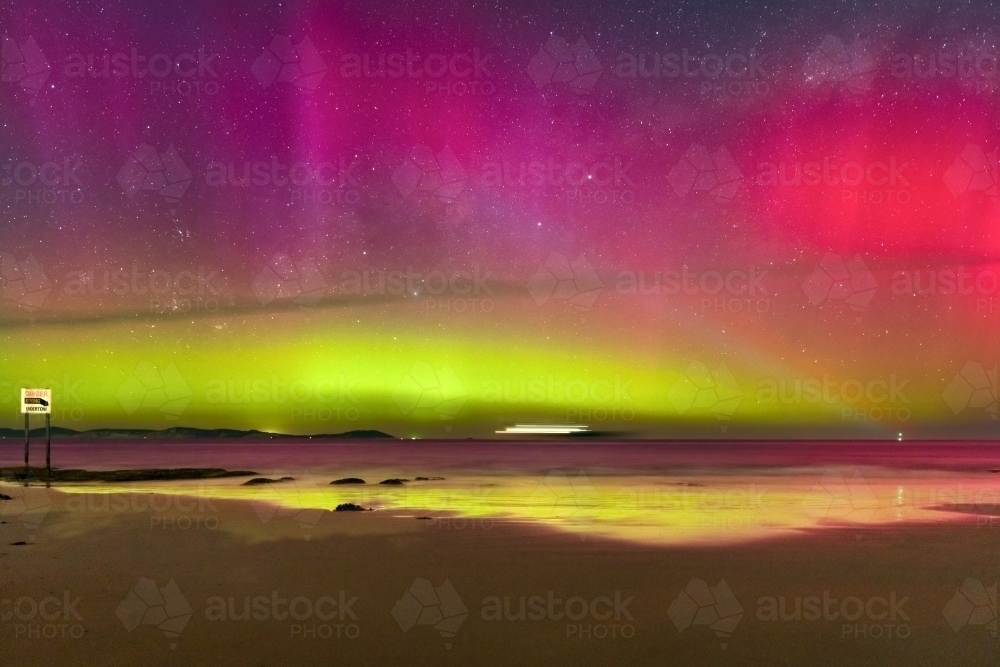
pixel 661 509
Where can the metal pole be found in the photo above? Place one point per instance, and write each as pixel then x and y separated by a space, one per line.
pixel 48 448
pixel 26 449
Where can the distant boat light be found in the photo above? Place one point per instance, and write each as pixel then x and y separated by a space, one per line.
pixel 545 429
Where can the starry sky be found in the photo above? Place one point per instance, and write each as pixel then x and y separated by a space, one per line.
pixel 735 220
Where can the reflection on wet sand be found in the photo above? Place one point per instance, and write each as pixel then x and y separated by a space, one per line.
pixel 641 508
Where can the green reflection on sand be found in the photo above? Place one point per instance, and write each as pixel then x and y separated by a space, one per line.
pixel 643 509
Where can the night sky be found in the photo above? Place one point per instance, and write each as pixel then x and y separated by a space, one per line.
pixel 443 219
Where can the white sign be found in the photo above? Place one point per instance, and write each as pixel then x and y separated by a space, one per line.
pixel 36 401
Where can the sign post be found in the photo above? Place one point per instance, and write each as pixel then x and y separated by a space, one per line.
pixel 26 436
pixel 38 402
pixel 48 449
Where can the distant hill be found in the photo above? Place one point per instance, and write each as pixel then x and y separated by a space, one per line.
pixel 187 433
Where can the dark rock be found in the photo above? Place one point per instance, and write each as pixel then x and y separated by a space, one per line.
pixel 4 496
pixel 18 544
pixel 148 475
pixel 424 518
pixel 348 480
pixel 350 507
pixel 266 480
pixel 395 481
pixel 428 479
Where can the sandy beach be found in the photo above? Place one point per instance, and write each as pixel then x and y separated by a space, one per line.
pixel 224 574
pixel 373 560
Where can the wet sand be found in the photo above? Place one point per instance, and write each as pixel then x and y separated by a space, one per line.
pixel 62 593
